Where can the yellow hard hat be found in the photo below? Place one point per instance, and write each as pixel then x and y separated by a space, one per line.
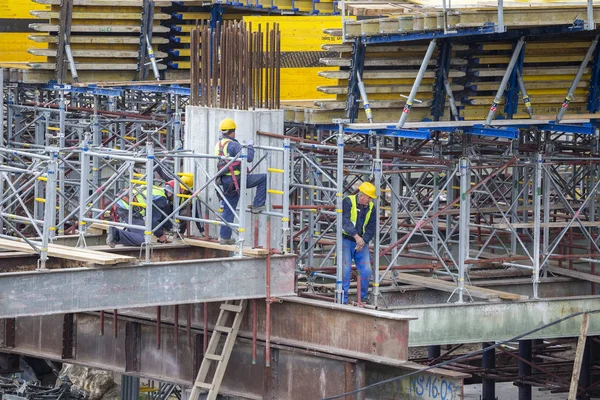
pixel 227 125
pixel 369 189
pixel 187 180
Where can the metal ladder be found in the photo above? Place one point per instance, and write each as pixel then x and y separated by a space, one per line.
pixel 229 309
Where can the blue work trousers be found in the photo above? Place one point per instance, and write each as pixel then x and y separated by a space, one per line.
pixel 259 181
pixel 363 266
pixel 129 237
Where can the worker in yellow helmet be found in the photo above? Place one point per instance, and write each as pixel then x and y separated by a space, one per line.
pixel 229 177
pixel 185 187
pixel 358 224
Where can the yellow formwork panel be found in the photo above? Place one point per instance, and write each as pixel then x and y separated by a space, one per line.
pixel 301 33
pixel 19 8
pixel 301 83
pixel 302 39
pixel 14 45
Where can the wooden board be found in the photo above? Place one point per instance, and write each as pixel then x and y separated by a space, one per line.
pixel 444 286
pixel 560 224
pixel 217 246
pixel 70 253
pixel 573 274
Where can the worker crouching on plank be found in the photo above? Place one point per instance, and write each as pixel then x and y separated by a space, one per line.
pixel 161 200
pixel 358 224
pixel 187 181
pixel 230 181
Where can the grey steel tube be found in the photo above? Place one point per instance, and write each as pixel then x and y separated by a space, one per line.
pixel 582 67
pixel 417 83
pixel 509 69
pixel 526 99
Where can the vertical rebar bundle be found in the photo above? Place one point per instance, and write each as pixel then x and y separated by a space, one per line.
pixel 234 67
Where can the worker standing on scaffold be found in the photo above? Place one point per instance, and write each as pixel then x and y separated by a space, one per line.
pixel 229 147
pixel 358 224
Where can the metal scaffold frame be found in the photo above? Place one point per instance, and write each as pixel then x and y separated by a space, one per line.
pixel 85 153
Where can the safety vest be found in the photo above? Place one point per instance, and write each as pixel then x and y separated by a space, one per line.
pixel 221 151
pixel 140 196
pixel 354 213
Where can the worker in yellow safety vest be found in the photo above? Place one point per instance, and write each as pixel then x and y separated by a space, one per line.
pixel 162 200
pixel 229 177
pixel 358 225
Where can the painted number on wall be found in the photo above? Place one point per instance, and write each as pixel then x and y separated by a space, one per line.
pixel 432 387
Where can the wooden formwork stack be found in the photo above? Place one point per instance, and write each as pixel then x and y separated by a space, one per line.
pixel 105 38
pixel 477 62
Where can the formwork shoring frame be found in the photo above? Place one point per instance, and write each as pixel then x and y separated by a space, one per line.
pixel 509 202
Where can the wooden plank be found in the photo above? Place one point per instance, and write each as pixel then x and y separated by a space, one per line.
pixel 98 39
pixel 99 28
pixel 69 253
pixel 217 246
pixel 585 322
pixel 385 74
pixel 92 67
pixel 98 15
pixel 560 224
pixel 573 274
pixel 444 286
pixel 95 53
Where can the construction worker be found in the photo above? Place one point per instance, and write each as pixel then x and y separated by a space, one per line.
pixel 358 225
pixel 229 147
pixel 187 181
pixel 161 199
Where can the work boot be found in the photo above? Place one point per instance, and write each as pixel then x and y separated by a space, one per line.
pixel 110 238
pixel 227 242
pixel 257 209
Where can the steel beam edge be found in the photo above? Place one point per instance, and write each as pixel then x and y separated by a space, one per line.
pixel 162 283
pixel 488 322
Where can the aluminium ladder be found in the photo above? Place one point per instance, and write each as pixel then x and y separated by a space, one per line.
pixel 229 309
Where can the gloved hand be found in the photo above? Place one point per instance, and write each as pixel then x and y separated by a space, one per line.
pixel 163 239
pixel 250 142
pixel 182 227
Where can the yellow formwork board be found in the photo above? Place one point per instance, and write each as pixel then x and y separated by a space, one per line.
pixel 19 8
pixel 14 45
pixel 300 83
pixel 303 33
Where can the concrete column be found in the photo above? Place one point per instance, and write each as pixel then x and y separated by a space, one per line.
pixel 130 387
pixel 488 385
pixel 524 368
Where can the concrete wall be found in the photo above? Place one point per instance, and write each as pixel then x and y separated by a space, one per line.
pixel 201 136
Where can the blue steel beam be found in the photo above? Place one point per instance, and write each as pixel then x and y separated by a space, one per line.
pixel 439 90
pixel 481 130
pixel 93 90
pixel 356 67
pixel 583 129
pixel 486 29
pixel 593 102
pixel 391 131
pixel 511 94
